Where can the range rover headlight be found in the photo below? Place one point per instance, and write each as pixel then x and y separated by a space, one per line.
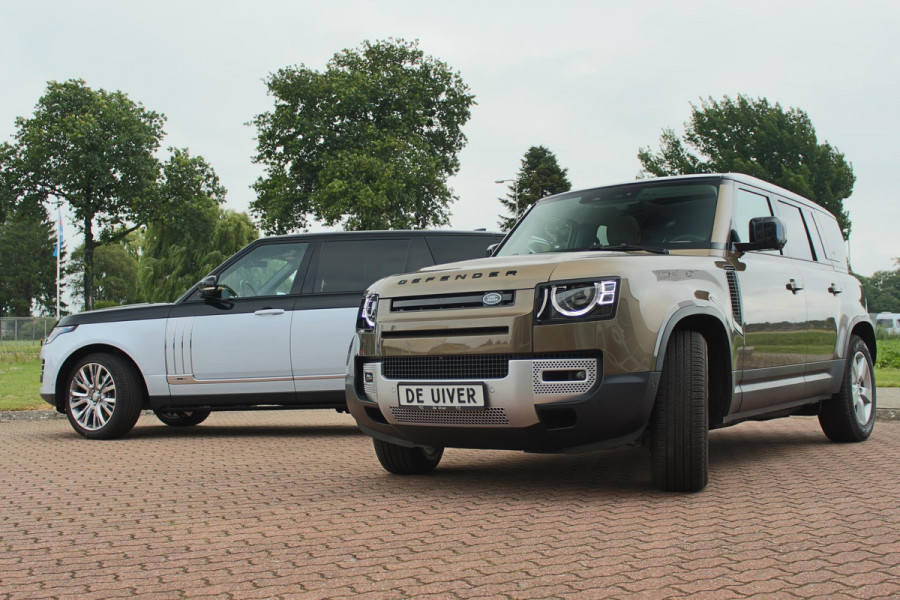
pixel 58 331
pixel 588 300
pixel 365 321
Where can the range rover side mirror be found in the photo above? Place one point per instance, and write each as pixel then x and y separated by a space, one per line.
pixel 491 248
pixel 766 233
pixel 209 288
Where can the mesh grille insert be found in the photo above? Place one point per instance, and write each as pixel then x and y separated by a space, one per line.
pixel 431 416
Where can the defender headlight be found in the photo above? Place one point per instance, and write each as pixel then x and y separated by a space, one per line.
pixel 58 331
pixel 365 321
pixel 576 300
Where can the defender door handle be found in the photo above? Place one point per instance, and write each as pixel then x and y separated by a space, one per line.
pixel 795 285
pixel 835 289
pixel 269 311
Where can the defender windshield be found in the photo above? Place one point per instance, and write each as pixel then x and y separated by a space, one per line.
pixel 653 216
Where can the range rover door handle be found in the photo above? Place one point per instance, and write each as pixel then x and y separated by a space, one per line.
pixel 835 289
pixel 795 285
pixel 269 311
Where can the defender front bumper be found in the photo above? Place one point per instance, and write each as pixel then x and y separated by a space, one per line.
pixel 528 409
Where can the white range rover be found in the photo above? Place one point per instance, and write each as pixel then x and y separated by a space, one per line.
pixel 269 328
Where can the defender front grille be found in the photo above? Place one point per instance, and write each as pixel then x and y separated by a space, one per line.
pixel 465 366
pixel 490 416
pixel 450 301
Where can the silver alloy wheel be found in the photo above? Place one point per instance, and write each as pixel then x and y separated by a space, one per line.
pixel 861 388
pixel 92 396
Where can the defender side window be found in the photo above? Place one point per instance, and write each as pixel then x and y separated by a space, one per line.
pixel 748 205
pixel 798 245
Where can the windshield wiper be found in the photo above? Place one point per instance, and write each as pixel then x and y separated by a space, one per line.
pixel 626 247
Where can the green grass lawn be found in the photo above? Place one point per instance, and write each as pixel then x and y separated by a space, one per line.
pixel 20 371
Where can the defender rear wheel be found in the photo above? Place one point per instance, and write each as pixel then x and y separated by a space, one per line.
pixel 401 460
pixel 849 415
pixel 678 428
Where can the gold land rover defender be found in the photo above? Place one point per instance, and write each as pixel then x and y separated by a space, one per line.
pixel 651 311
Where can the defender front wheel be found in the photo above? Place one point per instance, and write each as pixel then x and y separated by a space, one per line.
pixel 678 426
pixel 401 460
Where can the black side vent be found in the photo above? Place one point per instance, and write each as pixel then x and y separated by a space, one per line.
pixel 736 307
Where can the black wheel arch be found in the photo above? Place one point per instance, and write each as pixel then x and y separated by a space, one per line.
pixel 66 368
pixel 712 326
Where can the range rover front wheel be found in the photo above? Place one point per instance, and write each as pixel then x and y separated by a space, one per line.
pixel 103 396
pixel 849 415
pixel 678 426
pixel 401 460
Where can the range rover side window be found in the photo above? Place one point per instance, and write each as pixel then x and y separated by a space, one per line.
pixel 451 248
pixel 748 205
pixel 352 265
pixel 795 229
pixel 267 270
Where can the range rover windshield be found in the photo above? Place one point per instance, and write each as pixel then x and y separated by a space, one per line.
pixel 656 217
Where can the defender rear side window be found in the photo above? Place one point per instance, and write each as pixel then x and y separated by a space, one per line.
pixel 835 246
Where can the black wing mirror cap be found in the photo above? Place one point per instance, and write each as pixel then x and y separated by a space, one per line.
pixel 766 233
pixel 492 248
pixel 209 288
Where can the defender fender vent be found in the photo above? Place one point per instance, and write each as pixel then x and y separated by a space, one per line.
pixel 737 308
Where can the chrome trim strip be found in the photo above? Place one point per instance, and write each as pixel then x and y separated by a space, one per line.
pixel 190 379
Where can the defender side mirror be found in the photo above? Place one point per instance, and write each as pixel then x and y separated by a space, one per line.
pixel 491 248
pixel 766 233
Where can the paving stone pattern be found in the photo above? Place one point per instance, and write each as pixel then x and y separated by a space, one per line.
pixel 295 505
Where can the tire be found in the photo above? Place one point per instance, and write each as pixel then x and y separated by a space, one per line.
pixel 103 396
pixel 679 431
pixel 401 460
pixel 849 415
pixel 181 418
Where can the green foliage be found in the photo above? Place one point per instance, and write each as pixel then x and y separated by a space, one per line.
pixel 20 369
pixel 539 175
pixel 93 150
pixel 882 290
pixel 759 139
pixel 27 264
pixel 888 354
pixel 178 254
pixel 367 144
pixel 115 274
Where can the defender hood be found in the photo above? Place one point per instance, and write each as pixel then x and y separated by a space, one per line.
pixel 512 272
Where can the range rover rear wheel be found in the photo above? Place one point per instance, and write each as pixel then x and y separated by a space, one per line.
pixel 849 415
pixel 103 396
pixel 401 460
pixel 679 430
pixel 181 418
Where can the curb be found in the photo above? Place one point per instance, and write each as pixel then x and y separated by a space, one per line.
pixel 881 414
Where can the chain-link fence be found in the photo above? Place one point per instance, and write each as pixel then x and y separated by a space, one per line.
pixel 26 331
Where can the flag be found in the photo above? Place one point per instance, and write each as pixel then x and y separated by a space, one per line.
pixel 59 237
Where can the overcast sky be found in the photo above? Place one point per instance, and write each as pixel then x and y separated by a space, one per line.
pixel 592 81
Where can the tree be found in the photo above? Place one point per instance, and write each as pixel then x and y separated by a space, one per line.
pixel 367 144
pixel 540 175
pixel 115 271
pixel 27 264
pixel 882 290
pixel 759 139
pixel 93 150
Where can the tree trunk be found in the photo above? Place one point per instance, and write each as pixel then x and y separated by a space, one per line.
pixel 89 245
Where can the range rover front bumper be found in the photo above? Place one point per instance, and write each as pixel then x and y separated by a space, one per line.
pixel 527 408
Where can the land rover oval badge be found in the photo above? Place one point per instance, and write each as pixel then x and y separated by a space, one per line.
pixel 491 299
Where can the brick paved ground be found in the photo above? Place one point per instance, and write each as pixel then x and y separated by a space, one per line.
pixel 295 505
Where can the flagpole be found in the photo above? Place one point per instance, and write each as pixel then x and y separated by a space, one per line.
pixel 58 253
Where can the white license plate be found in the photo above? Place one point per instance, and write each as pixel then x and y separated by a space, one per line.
pixel 441 395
